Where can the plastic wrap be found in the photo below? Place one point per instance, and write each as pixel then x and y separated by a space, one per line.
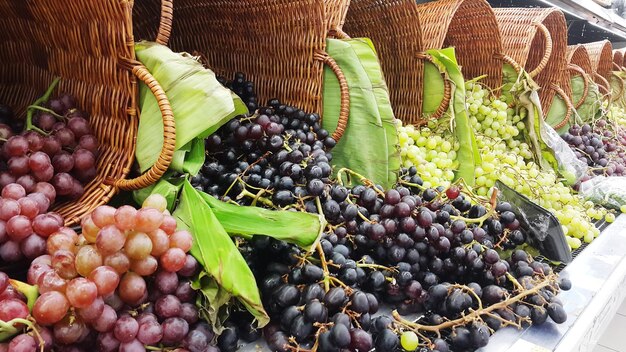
pixel 544 230
pixel 609 192
pixel 572 168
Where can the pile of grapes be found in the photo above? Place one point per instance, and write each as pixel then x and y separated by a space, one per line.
pixel 432 150
pixel 277 155
pixel 413 247
pixel 123 284
pixel 59 148
pixel 506 157
pixel 597 148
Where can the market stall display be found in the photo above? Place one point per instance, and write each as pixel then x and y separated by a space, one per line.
pixel 317 176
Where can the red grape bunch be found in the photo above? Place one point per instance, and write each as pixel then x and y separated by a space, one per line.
pixel 59 148
pixel 122 283
pixel 25 223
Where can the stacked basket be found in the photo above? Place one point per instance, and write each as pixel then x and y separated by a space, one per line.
pixel 90 46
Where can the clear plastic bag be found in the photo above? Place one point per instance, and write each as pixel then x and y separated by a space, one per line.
pixel 570 167
pixel 609 192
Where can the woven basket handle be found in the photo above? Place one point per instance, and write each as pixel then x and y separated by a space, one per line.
pixel 547 50
pixel 509 60
pixel 582 73
pixel 165 23
pixel 605 86
pixel 447 90
pixel 568 103
pixel 344 109
pixel 338 33
pixel 169 135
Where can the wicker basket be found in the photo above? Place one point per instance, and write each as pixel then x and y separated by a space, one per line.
pixel 279 44
pixel 618 60
pixel 394 28
pixel 536 38
pixel 601 56
pixel 470 27
pixel 578 63
pixel 89 44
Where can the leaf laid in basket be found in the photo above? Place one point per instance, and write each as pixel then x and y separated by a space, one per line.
pixel 434 89
pixel 364 147
pixel 199 102
pixel 212 302
pixel 557 112
pixel 217 253
pixel 167 186
pixel 190 157
pixel 294 227
pixel 592 104
pixel 468 153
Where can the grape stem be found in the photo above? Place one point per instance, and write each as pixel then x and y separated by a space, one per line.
pixel 265 201
pixel 473 315
pixel 320 252
pixel 376 266
pixel 362 178
pixel 489 214
pixel 30 291
pixel 406 183
pixel 42 99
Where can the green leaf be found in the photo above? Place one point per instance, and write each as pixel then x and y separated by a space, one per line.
pixel 298 228
pixel 217 253
pixel 364 147
pixel 212 302
pixel 468 153
pixel 199 102
pixel 167 186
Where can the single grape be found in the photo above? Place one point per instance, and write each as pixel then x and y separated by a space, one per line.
pixel 145 267
pixel 33 246
pixel 155 201
pixel 160 242
pixel 132 287
pixel 110 239
pixel 106 279
pixel 87 259
pixel 93 311
pixel 150 332
pixel 106 321
pixel 50 308
pixel 68 331
pixel 148 219
pixel 173 259
pixel 51 281
pixel 81 292
pixel 118 261
pixel 22 343
pixel 138 245
pixel 126 329
pixel 181 239
pixel 409 341
pixel 125 217
pixel 13 191
pixel 63 264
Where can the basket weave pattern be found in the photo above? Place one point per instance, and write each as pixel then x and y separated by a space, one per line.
pixel 89 44
pixel 524 41
pixel 394 28
pixel 470 27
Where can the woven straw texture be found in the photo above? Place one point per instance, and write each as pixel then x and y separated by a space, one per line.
pixel 394 28
pixel 618 58
pixel 601 56
pixel 471 27
pixel 89 44
pixel 524 39
pixel 578 55
pixel 274 42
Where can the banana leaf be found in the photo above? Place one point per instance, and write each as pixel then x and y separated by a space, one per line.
pixel 433 89
pixel 199 102
pixel 302 229
pixel 364 147
pixel 218 255
pixel 468 152
pixel 556 114
pixel 593 102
